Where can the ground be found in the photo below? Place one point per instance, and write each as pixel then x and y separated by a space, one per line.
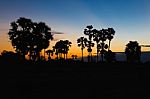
pixel 88 80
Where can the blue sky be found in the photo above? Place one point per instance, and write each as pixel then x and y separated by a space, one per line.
pixel 130 18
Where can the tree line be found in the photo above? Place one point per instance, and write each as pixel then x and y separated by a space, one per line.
pixel 30 38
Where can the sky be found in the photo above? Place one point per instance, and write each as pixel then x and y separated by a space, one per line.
pixel 129 18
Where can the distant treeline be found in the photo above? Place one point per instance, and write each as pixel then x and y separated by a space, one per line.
pixel 29 38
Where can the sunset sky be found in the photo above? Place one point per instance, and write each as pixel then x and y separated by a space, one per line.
pixel 129 18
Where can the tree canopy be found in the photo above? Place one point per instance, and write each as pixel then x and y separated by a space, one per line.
pixel 28 37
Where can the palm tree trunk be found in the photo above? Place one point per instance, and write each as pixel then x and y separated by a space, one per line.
pixel 49 56
pixel 102 54
pixel 66 56
pixel 23 56
pixel 82 55
pixel 91 58
pixel 97 52
pixel 57 56
pixel 60 55
pixel 44 53
pixel 109 45
pixel 37 56
pixel 30 55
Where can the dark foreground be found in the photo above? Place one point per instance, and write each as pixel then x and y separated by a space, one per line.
pixel 76 80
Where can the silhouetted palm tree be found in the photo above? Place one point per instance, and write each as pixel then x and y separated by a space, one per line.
pixel 133 51
pixel 74 56
pixel 58 49
pixel 67 44
pixel 62 47
pixel 49 53
pixel 55 48
pixel 89 31
pixel 111 33
pixel 97 39
pixel 82 42
pixel 89 49
pixel 103 37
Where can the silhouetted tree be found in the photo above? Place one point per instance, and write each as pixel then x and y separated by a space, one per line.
pixel 49 53
pixel 55 49
pixel 89 49
pixel 10 57
pixel 133 51
pixel 42 37
pixel 103 37
pixel 110 56
pixel 97 39
pixel 58 49
pixel 89 31
pixel 67 44
pixel 111 33
pixel 18 34
pixel 29 37
pixel 62 47
pixel 82 42
pixel 74 56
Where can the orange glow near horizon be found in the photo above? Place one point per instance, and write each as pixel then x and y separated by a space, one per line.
pixel 116 46
pixel 5 43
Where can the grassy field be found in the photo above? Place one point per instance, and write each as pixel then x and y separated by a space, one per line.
pixel 76 80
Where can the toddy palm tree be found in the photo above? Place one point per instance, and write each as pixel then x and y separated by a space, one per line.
pixel 89 46
pixel 66 45
pixel 49 53
pixel 97 39
pixel 55 49
pixel 111 33
pixel 62 47
pixel 58 49
pixel 74 56
pixel 103 37
pixel 82 42
pixel 89 31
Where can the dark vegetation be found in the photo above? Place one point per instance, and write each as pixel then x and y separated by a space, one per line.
pixel 38 78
